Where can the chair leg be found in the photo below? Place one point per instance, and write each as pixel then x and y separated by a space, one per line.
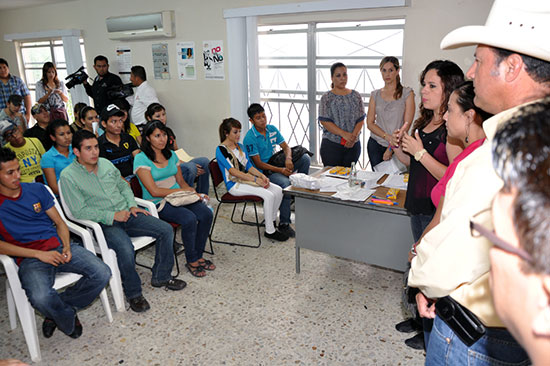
pixel 106 306
pixel 12 312
pixel 116 281
pixel 28 323
pixel 257 224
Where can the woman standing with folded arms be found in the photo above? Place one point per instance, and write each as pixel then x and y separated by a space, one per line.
pixel 391 109
pixel 342 115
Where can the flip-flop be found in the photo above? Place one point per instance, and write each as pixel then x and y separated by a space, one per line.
pixel 197 271
pixel 207 264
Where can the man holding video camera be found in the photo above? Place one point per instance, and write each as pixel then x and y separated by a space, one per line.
pixel 103 82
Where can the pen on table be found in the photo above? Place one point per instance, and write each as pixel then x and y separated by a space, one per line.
pixel 384 202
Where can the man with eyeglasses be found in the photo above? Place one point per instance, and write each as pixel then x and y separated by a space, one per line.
pixel 511 68
pixel 520 258
pixel 29 151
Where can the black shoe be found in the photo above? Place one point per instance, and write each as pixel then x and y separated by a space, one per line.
pixel 287 229
pixel 77 332
pixel 139 304
pixel 172 284
pixel 277 235
pixel 416 342
pixel 408 326
pixel 48 327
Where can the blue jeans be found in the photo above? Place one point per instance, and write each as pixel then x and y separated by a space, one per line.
pixel 376 152
pixel 418 224
pixel 195 220
pixel 37 279
pixel 118 238
pixel 301 166
pixel 496 347
pixel 333 154
pixel 189 172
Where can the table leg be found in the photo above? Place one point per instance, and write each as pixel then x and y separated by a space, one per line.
pixel 297 259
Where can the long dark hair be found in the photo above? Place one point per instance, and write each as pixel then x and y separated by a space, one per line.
pixel 465 95
pixel 152 109
pixel 47 66
pixel 226 126
pixel 451 76
pixel 333 70
pixel 146 144
pixel 398 86
pixel 84 111
pixel 54 125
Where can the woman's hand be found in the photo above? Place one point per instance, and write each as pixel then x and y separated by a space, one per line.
pixel 263 181
pixel 411 144
pixel 395 138
pixel 387 154
pixel 349 137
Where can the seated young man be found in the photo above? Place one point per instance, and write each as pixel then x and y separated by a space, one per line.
pixel 261 142
pixel 27 233
pixel 520 259
pixel 28 150
pixel 12 113
pixel 93 190
pixel 116 145
pixel 42 117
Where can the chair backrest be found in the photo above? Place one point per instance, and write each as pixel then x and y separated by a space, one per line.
pixel 216 175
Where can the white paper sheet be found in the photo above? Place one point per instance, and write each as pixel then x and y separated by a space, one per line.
pixel 352 194
pixel 366 175
pixel 329 184
pixel 395 181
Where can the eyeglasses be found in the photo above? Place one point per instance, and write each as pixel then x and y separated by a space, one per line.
pixel 10 133
pixel 477 230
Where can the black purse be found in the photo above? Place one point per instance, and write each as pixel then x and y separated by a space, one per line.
pixel 462 321
pixel 278 159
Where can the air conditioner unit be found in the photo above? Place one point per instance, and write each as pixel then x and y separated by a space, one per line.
pixel 153 25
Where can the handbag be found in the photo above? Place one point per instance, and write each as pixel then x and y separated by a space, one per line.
pixel 236 163
pixel 462 321
pixel 179 198
pixel 278 159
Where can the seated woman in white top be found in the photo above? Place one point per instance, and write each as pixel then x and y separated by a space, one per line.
pixel 242 179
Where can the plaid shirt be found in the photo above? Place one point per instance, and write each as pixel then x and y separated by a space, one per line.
pixel 14 86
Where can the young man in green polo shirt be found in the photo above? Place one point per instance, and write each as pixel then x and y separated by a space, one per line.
pixel 94 190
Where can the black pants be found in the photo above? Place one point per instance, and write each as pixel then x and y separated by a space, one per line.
pixel 333 154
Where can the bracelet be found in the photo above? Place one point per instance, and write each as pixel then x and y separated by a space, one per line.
pixel 413 249
pixel 255 179
pixel 419 154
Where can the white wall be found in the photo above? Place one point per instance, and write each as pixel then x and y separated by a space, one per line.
pixel 195 108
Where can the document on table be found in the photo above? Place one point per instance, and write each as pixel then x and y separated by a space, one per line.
pixel 353 194
pixel 395 181
pixel 365 175
pixel 328 184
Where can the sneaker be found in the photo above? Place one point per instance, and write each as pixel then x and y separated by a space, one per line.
pixel 77 332
pixel 408 326
pixel 139 304
pixel 416 342
pixel 277 235
pixel 48 327
pixel 172 284
pixel 287 229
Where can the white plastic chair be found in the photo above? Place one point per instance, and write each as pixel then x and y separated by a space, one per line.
pixel 109 255
pixel 17 298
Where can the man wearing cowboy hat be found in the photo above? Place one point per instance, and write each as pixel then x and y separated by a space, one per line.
pixel 511 68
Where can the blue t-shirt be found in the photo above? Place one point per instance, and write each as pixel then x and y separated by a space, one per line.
pixel 265 146
pixel 225 162
pixel 23 220
pixel 163 177
pixel 54 159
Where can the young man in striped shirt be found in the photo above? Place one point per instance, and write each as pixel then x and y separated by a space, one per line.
pixel 94 190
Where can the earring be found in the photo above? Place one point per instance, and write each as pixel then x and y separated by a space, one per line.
pixel 466 139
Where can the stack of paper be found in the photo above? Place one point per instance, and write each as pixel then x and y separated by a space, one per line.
pixel 395 181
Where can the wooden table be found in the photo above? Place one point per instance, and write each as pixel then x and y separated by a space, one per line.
pixel 379 235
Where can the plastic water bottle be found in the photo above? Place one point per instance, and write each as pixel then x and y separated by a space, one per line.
pixel 206 200
pixel 352 178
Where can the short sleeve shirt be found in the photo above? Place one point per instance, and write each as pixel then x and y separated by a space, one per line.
pixel 389 114
pixel 54 100
pixel 120 155
pixel 225 162
pixel 24 221
pixel 29 156
pixel 41 134
pixel 54 159
pixel 163 177
pixel 265 146
pixel 14 86
pixel 345 111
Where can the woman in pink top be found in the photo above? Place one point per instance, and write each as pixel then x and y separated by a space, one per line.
pixel 463 122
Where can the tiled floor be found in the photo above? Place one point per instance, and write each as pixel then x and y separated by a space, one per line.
pixel 252 310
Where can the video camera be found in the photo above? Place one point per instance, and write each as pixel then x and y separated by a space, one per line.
pixel 76 78
pixel 120 91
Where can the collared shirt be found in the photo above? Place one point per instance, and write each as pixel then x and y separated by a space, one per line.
pixel 265 146
pixel 98 91
pixel 29 156
pixel 143 96
pixel 450 261
pixel 120 155
pixel 98 195
pixel 14 86
pixel 54 159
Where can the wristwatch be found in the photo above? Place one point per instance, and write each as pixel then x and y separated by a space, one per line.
pixel 419 154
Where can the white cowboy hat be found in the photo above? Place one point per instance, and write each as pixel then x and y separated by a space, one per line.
pixel 521 26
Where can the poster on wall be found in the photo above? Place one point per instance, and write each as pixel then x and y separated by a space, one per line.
pixel 186 60
pixel 212 52
pixel 160 61
pixel 124 62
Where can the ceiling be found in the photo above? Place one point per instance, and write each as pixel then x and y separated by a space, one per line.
pixel 15 4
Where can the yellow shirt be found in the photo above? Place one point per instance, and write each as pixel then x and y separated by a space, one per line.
pixel 29 156
pixel 450 261
pixel 134 132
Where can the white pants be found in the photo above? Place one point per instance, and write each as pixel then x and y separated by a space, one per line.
pixel 272 196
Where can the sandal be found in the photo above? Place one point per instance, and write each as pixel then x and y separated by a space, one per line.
pixel 197 271
pixel 206 264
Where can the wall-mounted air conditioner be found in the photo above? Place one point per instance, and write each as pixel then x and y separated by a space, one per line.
pixel 153 25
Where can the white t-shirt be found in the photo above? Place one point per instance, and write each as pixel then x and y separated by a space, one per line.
pixel 143 96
